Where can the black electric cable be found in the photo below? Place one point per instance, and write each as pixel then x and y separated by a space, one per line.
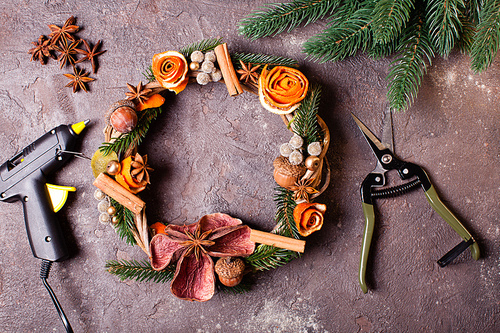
pixel 44 274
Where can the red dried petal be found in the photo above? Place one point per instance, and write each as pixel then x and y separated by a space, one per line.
pixel 194 280
pixel 234 244
pixel 163 251
pixel 217 220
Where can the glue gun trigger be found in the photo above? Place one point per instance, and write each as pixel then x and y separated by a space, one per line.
pixel 58 195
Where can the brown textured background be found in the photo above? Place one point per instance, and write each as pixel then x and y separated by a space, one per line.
pixel 214 153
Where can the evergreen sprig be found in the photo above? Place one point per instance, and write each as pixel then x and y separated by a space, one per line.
pixel 390 17
pixel 125 222
pixel 444 24
pixel 487 38
pixel 278 17
pixel 139 271
pixel 408 69
pixel 124 141
pixel 266 257
pixel 148 74
pixel 342 39
pixel 285 205
pixel 203 46
pixel 305 123
pixel 383 28
pixel 262 59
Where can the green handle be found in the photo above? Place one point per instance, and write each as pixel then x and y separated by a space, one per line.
pixel 451 219
pixel 369 213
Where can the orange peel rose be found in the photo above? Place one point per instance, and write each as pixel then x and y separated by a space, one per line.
pixel 170 69
pixel 282 88
pixel 308 217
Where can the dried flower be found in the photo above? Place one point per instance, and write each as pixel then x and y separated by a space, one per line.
pixel 170 69
pixel 308 217
pixel 296 141
pixel 295 157
pixel 192 246
pixel 281 89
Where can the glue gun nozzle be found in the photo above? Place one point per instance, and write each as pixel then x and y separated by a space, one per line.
pixel 78 127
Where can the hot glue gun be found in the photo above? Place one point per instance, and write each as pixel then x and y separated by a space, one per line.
pixel 23 178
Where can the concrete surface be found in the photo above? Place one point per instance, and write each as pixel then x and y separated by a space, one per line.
pixel 214 153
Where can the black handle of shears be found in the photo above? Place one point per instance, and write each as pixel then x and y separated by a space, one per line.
pixel 406 171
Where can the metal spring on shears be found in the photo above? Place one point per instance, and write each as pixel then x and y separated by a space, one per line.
pixel 396 190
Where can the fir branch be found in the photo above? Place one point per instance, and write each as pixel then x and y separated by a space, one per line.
pixel 148 74
pixel 261 59
pixel 204 46
pixel 468 32
pixel 125 222
pixel 305 122
pixel 343 38
pixel 407 70
pixel 444 24
pixel 285 224
pixel 124 141
pixel 266 257
pixel 487 38
pixel 390 17
pixel 278 17
pixel 139 271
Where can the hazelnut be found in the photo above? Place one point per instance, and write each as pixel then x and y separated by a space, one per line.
pixel 230 270
pixel 286 174
pixel 123 119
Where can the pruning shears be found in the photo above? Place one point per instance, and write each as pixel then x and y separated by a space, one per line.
pixel 374 187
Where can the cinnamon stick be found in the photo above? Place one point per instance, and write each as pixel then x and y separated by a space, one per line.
pixel 282 242
pixel 228 73
pixel 119 193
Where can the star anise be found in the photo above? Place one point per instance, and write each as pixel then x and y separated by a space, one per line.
pixel 248 72
pixel 90 54
pixel 78 79
pixel 302 189
pixel 140 168
pixel 65 32
pixel 67 53
pixel 139 93
pixel 42 50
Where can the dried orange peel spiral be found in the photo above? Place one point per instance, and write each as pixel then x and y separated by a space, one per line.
pixel 282 88
pixel 308 217
pixel 170 69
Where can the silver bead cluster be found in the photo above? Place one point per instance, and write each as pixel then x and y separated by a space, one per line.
pixel 104 207
pixel 205 64
pixel 292 150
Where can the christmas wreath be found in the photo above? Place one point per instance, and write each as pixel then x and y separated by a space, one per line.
pixel 183 254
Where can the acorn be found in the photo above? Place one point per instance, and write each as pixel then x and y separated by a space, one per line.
pixel 286 174
pixel 230 270
pixel 122 116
